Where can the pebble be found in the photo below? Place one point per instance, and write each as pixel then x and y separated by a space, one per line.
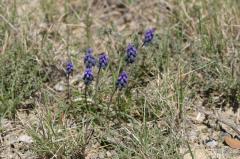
pixel 211 143
pixel 60 86
pixel 25 139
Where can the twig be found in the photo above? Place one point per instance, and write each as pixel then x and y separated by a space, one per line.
pixel 231 125
pixel 222 120
pixel 11 25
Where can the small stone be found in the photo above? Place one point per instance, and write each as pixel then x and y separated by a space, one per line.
pixel 60 86
pixel 211 143
pixel 25 139
pixel 109 154
pixel 192 136
pixel 200 117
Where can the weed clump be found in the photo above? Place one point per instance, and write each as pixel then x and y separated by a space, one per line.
pixel 21 78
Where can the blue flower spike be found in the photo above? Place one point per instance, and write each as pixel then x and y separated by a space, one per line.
pixel 131 53
pixel 103 61
pixel 89 59
pixel 88 76
pixel 148 36
pixel 69 68
pixel 122 80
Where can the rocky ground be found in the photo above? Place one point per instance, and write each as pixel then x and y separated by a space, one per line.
pixel 209 127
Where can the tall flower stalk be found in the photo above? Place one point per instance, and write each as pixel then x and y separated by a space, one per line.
pixel 148 38
pixel 88 78
pixel 89 62
pixel 121 83
pixel 103 61
pixel 69 71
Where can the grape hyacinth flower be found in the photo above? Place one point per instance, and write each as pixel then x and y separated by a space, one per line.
pixel 88 76
pixel 89 59
pixel 120 84
pixel 122 80
pixel 103 61
pixel 131 53
pixel 148 36
pixel 69 68
pixel 102 64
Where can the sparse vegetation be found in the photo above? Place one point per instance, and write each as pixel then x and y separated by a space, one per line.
pixel 147 95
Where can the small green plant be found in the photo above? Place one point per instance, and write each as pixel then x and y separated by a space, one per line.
pixel 134 100
pixel 20 78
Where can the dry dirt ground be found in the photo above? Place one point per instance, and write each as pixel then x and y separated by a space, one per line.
pixel 205 128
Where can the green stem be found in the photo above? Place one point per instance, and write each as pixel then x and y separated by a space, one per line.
pixel 68 85
pixel 85 94
pixel 97 80
pixel 110 101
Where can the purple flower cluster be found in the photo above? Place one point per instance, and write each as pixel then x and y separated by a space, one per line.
pixel 148 36
pixel 131 53
pixel 88 76
pixel 122 80
pixel 69 68
pixel 89 59
pixel 90 62
pixel 103 61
